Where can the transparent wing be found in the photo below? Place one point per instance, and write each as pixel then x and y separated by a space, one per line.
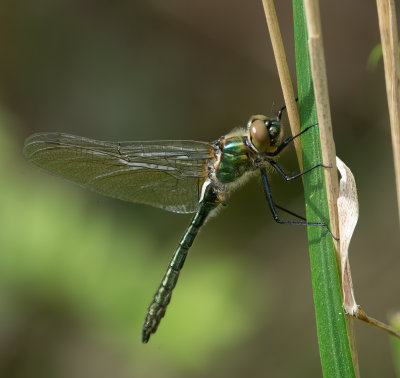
pixel 165 174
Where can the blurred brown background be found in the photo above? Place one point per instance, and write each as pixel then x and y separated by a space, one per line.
pixel 78 270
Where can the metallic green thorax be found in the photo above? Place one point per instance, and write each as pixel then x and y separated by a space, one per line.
pixel 234 160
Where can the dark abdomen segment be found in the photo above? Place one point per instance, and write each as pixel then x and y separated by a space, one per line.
pixel 162 297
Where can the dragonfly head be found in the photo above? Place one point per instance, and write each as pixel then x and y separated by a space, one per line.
pixel 264 133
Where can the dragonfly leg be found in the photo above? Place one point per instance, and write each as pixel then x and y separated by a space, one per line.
pixel 273 207
pixel 162 297
pixel 288 140
pixel 276 166
pixel 279 115
pixel 289 212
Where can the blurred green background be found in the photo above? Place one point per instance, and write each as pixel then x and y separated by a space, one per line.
pixel 77 270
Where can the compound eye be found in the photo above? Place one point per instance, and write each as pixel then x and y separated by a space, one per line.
pixel 274 131
pixel 259 135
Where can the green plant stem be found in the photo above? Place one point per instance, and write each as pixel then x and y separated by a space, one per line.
pixel 333 341
pixel 395 343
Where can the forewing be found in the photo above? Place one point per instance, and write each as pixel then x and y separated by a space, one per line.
pixel 165 174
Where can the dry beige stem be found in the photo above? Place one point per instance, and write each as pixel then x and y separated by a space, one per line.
pixel 320 81
pixel 389 39
pixel 284 74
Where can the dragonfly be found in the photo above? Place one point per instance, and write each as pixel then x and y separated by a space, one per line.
pixel 181 176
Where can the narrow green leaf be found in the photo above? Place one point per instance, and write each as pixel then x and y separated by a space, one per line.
pixel 331 326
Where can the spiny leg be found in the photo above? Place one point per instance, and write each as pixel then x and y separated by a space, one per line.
pixel 275 215
pixel 279 115
pixel 289 212
pixel 276 166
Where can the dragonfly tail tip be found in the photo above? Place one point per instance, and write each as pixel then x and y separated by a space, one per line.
pixel 145 337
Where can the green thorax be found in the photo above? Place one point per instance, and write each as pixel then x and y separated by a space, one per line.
pixel 234 160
